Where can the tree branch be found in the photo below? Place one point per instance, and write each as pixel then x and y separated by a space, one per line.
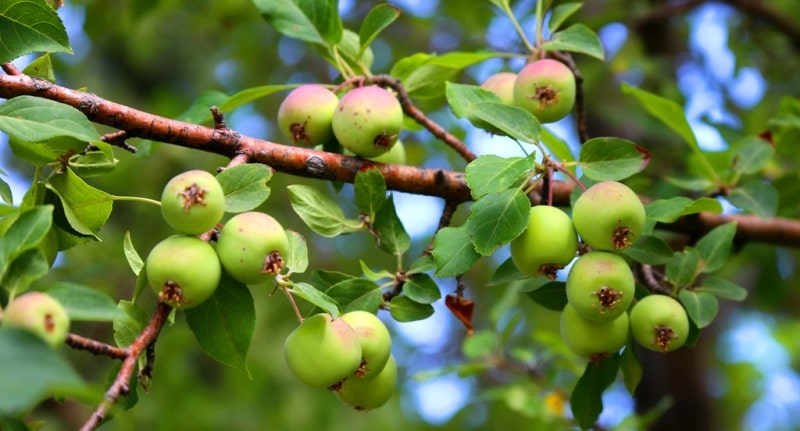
pixel 449 185
pixel 120 386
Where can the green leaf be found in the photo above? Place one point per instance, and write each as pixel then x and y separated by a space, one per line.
pixel 586 399
pixel 30 26
pixel 481 344
pixel 552 295
pixel 298 252
pixel 315 21
pixel 702 307
pixel 612 159
pixel 561 13
pixel 671 114
pixel 558 147
pixel 26 268
pixel 682 269
pixel 356 294
pixel 722 288
pixel 374 275
pixel 756 197
pixel 319 212
pixel 751 155
pixel 133 258
pixel 41 67
pixel 245 186
pixel 85 207
pixel 421 288
pixel 93 163
pixel 5 192
pixel 392 237
pixel 370 192
pixel 715 246
pixel 316 297
pixel 377 19
pixel 129 323
pixel 631 368
pixel 703 204
pixel 426 73
pixel 423 263
pixel 497 219
pixel 84 303
pixel 490 173
pixel 322 279
pixel 349 49
pixel 31 372
pixel 224 323
pixel 403 309
pixel 247 95
pixel 484 110
pixel 650 250
pixel 576 38
pixel 506 273
pixel 25 233
pixel 34 119
pixel 453 252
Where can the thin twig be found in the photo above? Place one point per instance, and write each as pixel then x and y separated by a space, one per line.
pixel 98 348
pixel 10 69
pixel 120 386
pixel 118 139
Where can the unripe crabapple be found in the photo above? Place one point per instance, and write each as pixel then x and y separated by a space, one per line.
pixel 659 323
pixel 547 245
pixel 193 202
pixel 501 84
pixel 376 343
pixel 591 339
pixel 305 115
pixel 546 88
pixel 608 216
pixel 252 247
pixel 39 313
pixel 183 271
pixel 368 394
pixel 367 121
pixel 600 286
pixel 322 351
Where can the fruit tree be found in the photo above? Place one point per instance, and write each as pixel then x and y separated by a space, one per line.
pixel 346 215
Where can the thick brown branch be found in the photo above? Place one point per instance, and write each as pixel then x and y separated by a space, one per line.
pixel 305 162
pixel 121 386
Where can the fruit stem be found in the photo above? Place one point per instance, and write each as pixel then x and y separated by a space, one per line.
pixel 293 303
pixel 136 199
pixel 507 9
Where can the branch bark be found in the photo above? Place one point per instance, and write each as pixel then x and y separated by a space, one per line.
pixel 443 183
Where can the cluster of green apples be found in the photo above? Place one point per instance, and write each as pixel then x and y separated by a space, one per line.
pixel 350 355
pixel 184 270
pixel 600 286
pixel 545 87
pixel 366 121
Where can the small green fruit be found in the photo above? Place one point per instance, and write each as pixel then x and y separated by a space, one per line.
pixel 608 216
pixel 305 115
pixel 501 84
pixel 193 202
pixel 659 323
pixel 322 351
pixel 368 394
pixel 40 314
pixel 367 121
pixel 548 244
pixel 395 156
pixel 183 271
pixel 546 88
pixel 376 343
pixel 252 247
pixel 600 286
pixel 593 340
